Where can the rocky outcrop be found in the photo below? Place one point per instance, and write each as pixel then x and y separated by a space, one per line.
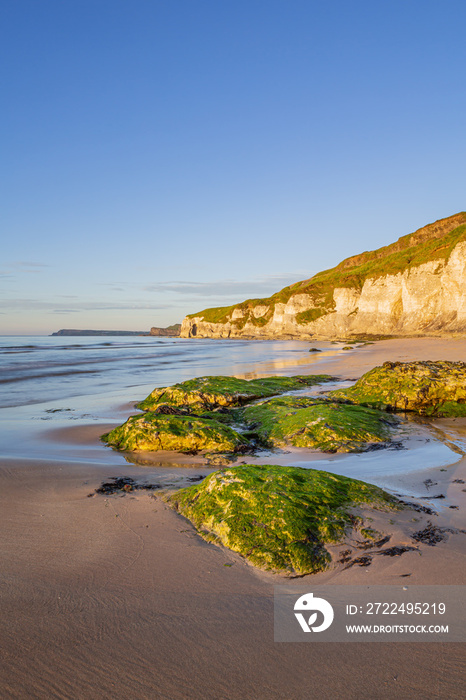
pixel 282 518
pixel 169 331
pixel 215 415
pixel 204 394
pixel 153 432
pixel 416 286
pixel 428 388
pixel 318 424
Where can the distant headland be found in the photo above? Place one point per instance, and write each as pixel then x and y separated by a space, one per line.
pixel 171 331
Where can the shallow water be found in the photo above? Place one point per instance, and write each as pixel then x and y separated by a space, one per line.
pixel 43 369
pixel 52 384
pixel 391 469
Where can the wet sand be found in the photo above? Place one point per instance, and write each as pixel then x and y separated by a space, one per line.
pixel 356 362
pixel 117 597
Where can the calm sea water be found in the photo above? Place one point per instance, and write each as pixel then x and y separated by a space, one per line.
pixel 43 369
pixel 51 384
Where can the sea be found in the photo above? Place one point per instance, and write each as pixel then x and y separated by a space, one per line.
pixel 55 387
pixel 42 369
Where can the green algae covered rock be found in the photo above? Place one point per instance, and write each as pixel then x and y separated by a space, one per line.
pixel 153 432
pixel 278 518
pixel 318 424
pixel 428 388
pixel 208 414
pixel 207 393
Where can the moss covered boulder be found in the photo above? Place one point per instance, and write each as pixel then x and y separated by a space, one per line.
pixel 216 414
pixel 318 424
pixel 278 518
pixel 207 393
pixel 428 388
pixel 153 432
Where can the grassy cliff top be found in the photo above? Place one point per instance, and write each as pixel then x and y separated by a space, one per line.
pixel 433 242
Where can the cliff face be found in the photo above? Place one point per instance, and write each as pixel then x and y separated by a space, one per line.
pixel 416 286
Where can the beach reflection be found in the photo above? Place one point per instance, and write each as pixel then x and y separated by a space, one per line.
pixel 266 368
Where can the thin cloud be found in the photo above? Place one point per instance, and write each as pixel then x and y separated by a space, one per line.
pixel 65 311
pixel 28 263
pixel 12 269
pixel 114 287
pixel 53 307
pixel 227 288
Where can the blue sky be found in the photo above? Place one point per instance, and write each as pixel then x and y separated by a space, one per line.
pixel 158 158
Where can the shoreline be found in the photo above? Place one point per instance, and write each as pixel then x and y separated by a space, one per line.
pixel 116 597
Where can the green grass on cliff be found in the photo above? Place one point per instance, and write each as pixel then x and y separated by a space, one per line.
pixel 409 251
pixel 278 518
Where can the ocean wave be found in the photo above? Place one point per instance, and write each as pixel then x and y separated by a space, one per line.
pixel 46 375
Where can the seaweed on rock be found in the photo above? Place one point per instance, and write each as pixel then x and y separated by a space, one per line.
pixel 425 387
pixel 208 414
pixel 318 424
pixel 207 393
pixel 153 432
pixel 278 518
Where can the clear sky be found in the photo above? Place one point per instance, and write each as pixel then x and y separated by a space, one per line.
pixel 158 157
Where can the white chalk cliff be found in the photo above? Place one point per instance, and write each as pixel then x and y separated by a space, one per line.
pixel 415 286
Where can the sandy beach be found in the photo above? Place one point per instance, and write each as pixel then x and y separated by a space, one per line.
pixel 118 597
